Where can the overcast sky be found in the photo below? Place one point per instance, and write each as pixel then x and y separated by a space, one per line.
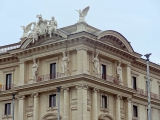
pixel 137 20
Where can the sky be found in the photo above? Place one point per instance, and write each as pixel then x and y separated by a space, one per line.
pixel 137 20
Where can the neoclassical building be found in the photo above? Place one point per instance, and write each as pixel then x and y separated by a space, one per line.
pixel 101 76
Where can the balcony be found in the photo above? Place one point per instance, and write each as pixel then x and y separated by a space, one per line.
pixel 4 49
pixel 145 94
pixel 7 87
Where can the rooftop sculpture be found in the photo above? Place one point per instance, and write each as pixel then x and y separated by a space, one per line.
pixel 82 14
pixel 42 27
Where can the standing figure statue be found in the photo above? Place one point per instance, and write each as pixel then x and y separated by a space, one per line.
pixel 35 67
pixel 119 72
pixel 82 14
pixel 52 27
pixel 96 64
pixel 65 61
pixel 35 32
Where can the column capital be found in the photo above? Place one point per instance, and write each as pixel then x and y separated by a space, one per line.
pixel 21 97
pixel 85 87
pixel 66 89
pixel 95 90
pixel 129 99
pixel 35 95
pixel 119 97
pixel 81 48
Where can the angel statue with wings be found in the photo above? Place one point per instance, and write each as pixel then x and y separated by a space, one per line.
pixel 82 14
pixel 26 30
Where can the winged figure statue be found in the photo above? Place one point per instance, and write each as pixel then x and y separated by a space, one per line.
pixel 82 14
pixel 26 29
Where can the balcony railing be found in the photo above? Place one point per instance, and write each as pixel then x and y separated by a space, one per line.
pixel 6 48
pixel 145 93
pixel 7 87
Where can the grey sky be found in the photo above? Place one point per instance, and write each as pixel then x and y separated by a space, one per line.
pixel 137 20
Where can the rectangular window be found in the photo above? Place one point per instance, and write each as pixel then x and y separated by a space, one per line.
pixel 7 109
pixel 52 70
pixel 135 111
pixel 104 101
pixel 52 100
pixel 103 69
pixel 134 81
pixel 8 81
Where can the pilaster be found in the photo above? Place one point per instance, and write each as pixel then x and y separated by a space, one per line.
pixel 21 108
pixel 118 112
pixel 128 104
pixel 94 104
pixel 22 72
pixel 82 61
pixel 82 102
pixel 128 75
pixel 66 104
pixel 36 106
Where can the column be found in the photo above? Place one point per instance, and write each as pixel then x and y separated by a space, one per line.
pixel 21 108
pixel 94 104
pixel 66 104
pixel 22 73
pixel 118 114
pixel 128 76
pixel 36 106
pixel 82 61
pixel 128 104
pixel 82 102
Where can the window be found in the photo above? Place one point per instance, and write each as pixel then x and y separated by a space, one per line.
pixel 146 86
pixel 135 111
pixel 8 81
pixel 7 109
pixel 104 101
pixel 52 100
pixel 52 70
pixel 134 81
pixel 103 69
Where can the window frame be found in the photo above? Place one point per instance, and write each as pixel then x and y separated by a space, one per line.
pixel 10 85
pixel 51 105
pixel 5 109
pixel 135 82
pixel 107 102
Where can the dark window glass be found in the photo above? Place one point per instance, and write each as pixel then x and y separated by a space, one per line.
pixel 52 70
pixel 8 81
pixel 103 72
pixel 7 108
pixel 52 100
pixel 104 101
pixel 135 111
pixel 134 82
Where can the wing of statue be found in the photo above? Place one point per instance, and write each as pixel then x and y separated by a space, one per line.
pixel 23 27
pixel 85 11
pixel 28 27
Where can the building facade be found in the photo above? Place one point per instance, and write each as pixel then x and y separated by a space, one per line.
pixel 101 76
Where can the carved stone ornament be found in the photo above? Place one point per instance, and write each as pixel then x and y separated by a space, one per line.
pixel 119 97
pixel 82 87
pixel 96 64
pixel 82 14
pixel 42 27
pixel 64 64
pixel 7 116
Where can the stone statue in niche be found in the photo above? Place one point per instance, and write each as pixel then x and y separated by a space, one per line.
pixel 96 64
pixel 35 67
pixel 64 64
pixel 119 72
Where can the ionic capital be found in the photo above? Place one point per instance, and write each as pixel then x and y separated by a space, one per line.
pixel 34 95
pixel 119 97
pixel 95 90
pixel 81 87
pixel 66 89
pixel 128 100
pixel 21 97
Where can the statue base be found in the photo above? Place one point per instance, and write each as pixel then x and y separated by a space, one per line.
pixel 81 26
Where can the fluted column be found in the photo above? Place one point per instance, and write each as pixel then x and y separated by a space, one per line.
pixel 82 102
pixel 82 61
pixel 22 69
pixel 36 106
pixel 128 76
pixel 66 104
pixel 128 104
pixel 94 104
pixel 21 108
pixel 118 114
